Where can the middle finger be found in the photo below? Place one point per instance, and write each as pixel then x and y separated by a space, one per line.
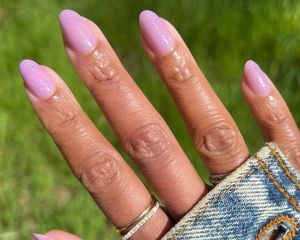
pixel 142 131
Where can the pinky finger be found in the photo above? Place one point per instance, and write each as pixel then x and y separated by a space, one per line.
pixel 56 235
pixel 271 112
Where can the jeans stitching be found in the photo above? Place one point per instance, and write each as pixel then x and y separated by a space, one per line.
pixel 277 157
pixel 282 164
pixel 277 185
pixel 188 224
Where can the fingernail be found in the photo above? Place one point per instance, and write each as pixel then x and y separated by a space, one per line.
pixel 76 31
pixel 37 236
pixel 36 79
pixel 156 33
pixel 256 79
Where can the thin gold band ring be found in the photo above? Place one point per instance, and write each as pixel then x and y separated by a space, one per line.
pixel 127 231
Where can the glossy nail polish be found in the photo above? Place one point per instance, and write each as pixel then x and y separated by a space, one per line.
pixel 37 236
pixel 78 34
pixel 156 33
pixel 256 79
pixel 36 79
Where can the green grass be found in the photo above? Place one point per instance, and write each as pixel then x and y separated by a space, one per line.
pixel 37 189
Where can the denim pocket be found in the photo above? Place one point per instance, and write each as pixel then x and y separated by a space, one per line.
pixel 259 200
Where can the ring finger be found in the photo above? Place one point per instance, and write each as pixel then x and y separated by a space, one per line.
pixel 216 136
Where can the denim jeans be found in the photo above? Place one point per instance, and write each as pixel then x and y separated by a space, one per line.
pixel 258 200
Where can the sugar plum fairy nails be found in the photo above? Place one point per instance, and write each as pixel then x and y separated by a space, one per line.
pixel 37 236
pixel 256 79
pixel 37 81
pixel 78 34
pixel 156 33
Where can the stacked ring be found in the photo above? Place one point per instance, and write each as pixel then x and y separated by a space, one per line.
pixel 127 231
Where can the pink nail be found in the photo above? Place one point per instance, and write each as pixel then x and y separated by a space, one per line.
pixel 37 236
pixel 36 79
pixel 156 33
pixel 78 34
pixel 256 79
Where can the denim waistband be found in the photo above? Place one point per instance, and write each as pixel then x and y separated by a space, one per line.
pixel 259 198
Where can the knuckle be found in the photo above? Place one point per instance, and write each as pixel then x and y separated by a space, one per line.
pixel 100 66
pixel 273 113
pixel 179 71
pixel 99 172
pixel 65 115
pixel 70 121
pixel 216 141
pixel 148 143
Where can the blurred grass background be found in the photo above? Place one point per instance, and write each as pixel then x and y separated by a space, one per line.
pixel 37 189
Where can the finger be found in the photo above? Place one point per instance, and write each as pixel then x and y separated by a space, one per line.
pixel 141 130
pixel 216 136
pixel 271 111
pixel 61 235
pixel 113 185
pixel 56 235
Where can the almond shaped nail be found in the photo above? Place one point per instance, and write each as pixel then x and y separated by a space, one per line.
pixel 156 33
pixel 78 34
pixel 256 79
pixel 37 81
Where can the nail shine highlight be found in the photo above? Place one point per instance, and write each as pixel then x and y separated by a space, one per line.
pixel 76 31
pixel 256 79
pixel 156 33
pixel 37 81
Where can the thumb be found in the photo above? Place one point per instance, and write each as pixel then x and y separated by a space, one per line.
pixel 55 235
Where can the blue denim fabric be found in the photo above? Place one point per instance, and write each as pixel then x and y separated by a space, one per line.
pixel 260 197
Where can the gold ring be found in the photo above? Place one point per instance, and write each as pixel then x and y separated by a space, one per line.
pixel 127 231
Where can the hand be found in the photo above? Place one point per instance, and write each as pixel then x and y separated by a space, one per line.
pixel 142 132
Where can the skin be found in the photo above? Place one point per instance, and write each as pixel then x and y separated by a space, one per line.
pixel 146 137
pixel 207 116
pixel 136 123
